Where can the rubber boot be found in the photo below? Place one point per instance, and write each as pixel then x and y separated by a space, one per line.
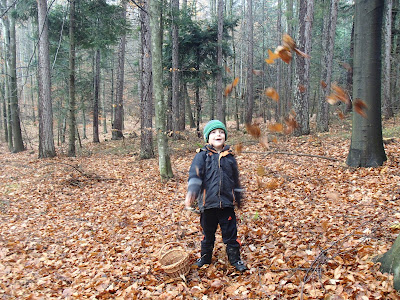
pixel 234 259
pixel 205 259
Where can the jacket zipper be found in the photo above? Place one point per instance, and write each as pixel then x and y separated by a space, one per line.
pixel 220 179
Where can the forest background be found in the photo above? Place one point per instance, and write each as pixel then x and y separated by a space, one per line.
pixel 268 64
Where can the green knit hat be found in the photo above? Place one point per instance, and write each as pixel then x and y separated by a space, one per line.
pixel 210 126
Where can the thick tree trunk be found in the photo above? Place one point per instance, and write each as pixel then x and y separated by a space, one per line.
pixel 390 263
pixel 96 98
pixel 328 37
pixel 250 45
pixel 387 101
pixel 117 128
pixel 301 100
pixel 366 149
pixel 219 88
pixel 46 139
pixel 146 87
pixel 164 161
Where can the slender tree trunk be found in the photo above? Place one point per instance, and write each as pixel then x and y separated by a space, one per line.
pixel 96 98
pixel 72 102
pixel 366 149
pixel 326 63
pixel 301 99
pixel 46 138
pixel 164 161
pixel 188 106
pixel 117 132
pixel 15 113
pixel 175 67
pixel 146 87
pixel 220 105
pixel 387 101
pixel 250 45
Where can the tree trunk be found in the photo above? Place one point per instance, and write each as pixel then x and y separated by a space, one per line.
pixel 219 98
pixel 72 104
pixel 366 149
pixel 146 87
pixel 15 113
pixel 164 161
pixel 96 98
pixel 117 129
pixel 188 106
pixel 175 67
pixel 328 38
pixel 387 101
pixel 46 139
pixel 250 45
pixel 390 263
pixel 301 99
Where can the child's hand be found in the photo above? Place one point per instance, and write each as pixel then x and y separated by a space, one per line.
pixel 190 198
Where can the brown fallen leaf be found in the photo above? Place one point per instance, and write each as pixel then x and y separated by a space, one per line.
pixel 272 93
pixel 254 130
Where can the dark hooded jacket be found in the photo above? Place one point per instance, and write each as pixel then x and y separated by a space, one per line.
pixel 214 178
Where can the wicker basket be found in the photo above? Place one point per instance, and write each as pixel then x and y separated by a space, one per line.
pixel 174 260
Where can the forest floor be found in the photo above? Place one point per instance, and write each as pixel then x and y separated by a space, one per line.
pixel 93 226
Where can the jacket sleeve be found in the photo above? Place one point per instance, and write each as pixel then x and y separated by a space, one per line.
pixel 196 173
pixel 238 189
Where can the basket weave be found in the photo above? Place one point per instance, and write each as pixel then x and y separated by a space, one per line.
pixel 174 260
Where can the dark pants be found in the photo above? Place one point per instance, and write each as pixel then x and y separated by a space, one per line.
pixel 209 221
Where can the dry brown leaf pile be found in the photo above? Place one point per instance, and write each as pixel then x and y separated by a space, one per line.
pixel 92 226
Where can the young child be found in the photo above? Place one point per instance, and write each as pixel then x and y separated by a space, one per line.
pixel 214 182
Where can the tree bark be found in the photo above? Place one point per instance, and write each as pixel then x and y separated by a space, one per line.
pixel 301 99
pixel 164 161
pixel 366 149
pixel 96 98
pixel 250 47
pixel 72 102
pixel 117 128
pixel 328 37
pixel 15 113
pixel 387 101
pixel 146 87
pixel 219 98
pixel 175 68
pixel 390 263
pixel 46 139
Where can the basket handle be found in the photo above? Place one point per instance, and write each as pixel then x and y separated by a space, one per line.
pixel 168 245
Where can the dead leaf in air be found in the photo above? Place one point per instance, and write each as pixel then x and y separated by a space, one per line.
pixel 272 93
pixel 360 107
pixel 284 53
pixel 254 130
pixel 272 57
pixel 277 127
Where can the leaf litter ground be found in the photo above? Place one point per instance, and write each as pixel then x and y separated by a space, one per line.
pixel 93 226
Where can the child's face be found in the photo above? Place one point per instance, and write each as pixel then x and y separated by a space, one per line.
pixel 217 138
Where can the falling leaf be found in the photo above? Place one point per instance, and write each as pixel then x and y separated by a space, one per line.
pixel 288 42
pixel 284 54
pixel 302 88
pixel 235 82
pixel 254 130
pixel 301 53
pixel 360 107
pixel 227 69
pixel 272 57
pixel 228 89
pixel 277 127
pixel 291 123
pixel 323 84
pixel 238 148
pixel 272 93
pixel 340 114
pixel 257 72
pixel 332 100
